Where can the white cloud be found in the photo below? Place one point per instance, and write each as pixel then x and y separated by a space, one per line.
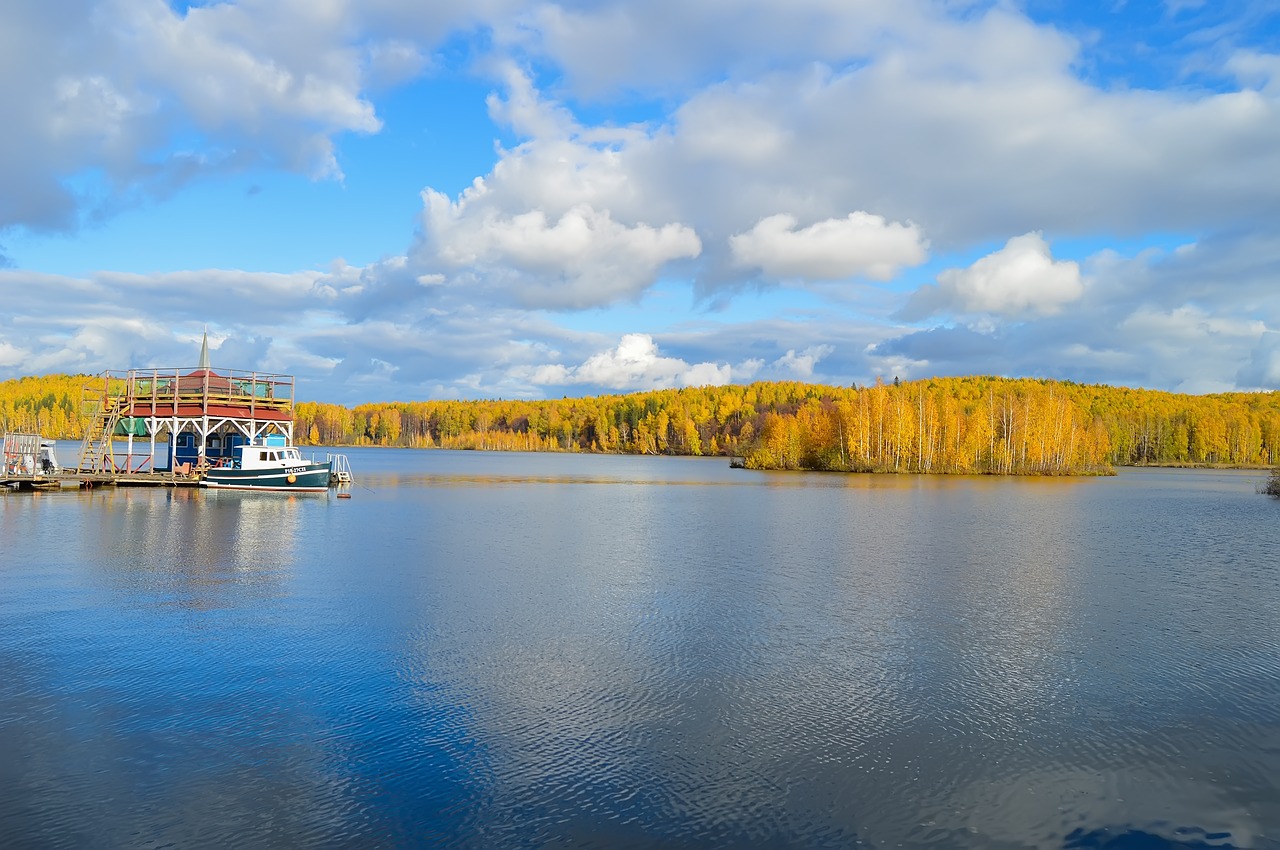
pixel 1261 70
pixel 635 364
pixel 667 45
pixel 583 259
pixel 1020 279
pixel 1027 142
pixel 801 365
pixel 860 245
pixel 731 131
pixel 1189 350
pixel 285 76
pixel 1262 370
pixel 11 355
pixel 1182 329
pixel 110 88
pixel 1183 319
pixel 247 290
pixel 88 106
pixel 855 126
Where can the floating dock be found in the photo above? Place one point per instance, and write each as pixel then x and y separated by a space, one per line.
pixel 71 479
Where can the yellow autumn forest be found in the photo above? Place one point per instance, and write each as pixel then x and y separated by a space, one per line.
pixel 940 425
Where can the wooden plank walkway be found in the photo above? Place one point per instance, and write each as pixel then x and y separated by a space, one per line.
pixel 88 480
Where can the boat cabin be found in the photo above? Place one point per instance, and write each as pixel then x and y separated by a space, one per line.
pixel 268 453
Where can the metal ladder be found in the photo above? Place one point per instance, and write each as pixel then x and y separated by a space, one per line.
pixel 339 469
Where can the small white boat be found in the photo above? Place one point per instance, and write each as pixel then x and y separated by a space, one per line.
pixel 270 464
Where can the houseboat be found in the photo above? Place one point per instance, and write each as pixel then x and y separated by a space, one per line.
pixel 183 427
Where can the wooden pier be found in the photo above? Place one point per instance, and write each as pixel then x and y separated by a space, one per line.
pixel 69 479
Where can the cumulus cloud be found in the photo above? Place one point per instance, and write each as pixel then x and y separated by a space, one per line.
pixel 583 259
pixel 1029 144
pixel 1020 279
pixel 108 88
pixel 669 44
pixel 1262 370
pixel 11 355
pixel 801 365
pixel 1027 141
pixel 634 364
pixel 1136 324
pixel 123 321
pixel 559 223
pixel 859 245
pixel 637 363
pixel 1188 328
pixel 1261 70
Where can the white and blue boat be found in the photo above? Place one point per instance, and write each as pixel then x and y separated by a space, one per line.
pixel 270 464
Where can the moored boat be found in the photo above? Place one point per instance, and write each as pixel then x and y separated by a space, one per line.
pixel 270 465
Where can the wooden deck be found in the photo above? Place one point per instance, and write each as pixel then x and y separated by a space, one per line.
pixel 71 479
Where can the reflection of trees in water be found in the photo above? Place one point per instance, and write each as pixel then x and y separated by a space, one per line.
pixel 1272 485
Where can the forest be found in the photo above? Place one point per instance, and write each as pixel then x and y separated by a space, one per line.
pixel 939 425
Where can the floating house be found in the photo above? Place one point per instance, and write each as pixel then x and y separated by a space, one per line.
pixel 181 421
pixel 166 427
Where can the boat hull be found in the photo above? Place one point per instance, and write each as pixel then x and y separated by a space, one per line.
pixel 303 478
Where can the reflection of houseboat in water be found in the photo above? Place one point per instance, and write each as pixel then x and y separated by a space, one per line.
pixel 179 427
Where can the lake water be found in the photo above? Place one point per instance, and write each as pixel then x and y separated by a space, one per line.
pixel 511 650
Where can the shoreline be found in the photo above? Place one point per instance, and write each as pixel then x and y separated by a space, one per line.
pixel 735 461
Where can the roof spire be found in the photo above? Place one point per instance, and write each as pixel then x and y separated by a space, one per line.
pixel 204 351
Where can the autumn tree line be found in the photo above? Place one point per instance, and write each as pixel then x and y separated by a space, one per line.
pixel 962 425
pixel 944 425
pixel 50 405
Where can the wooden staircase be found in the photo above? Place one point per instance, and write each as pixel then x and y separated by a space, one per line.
pixel 102 413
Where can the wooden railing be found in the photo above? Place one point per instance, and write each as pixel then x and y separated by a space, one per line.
pixel 254 390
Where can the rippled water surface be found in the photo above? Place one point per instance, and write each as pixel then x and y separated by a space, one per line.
pixel 506 650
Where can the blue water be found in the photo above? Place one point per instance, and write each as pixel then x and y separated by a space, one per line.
pixel 509 650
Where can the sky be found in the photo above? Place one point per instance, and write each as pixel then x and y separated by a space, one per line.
pixel 397 200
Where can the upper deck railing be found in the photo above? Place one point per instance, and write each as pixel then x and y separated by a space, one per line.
pixel 195 386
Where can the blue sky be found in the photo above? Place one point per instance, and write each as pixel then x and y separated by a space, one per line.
pixel 398 201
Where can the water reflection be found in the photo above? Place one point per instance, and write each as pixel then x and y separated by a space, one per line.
pixel 1075 807
pixel 191 548
pixel 538 651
